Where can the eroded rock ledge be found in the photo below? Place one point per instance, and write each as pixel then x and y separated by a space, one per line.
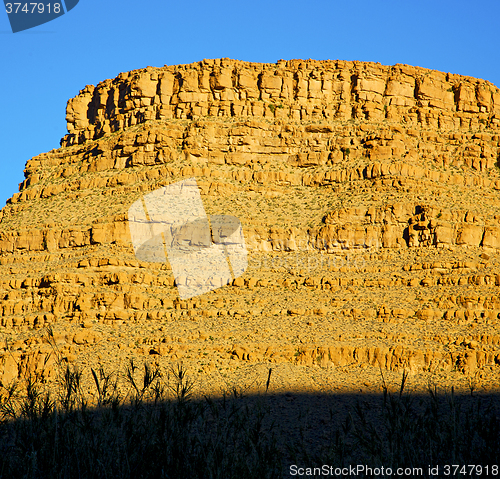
pixel 369 198
pixel 295 89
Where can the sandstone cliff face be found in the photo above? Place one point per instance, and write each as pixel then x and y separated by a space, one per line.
pixel 300 90
pixel 368 194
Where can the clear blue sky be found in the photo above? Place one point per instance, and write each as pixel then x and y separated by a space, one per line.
pixel 42 68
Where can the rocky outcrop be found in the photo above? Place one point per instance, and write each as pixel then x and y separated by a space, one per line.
pixel 296 89
pixel 368 196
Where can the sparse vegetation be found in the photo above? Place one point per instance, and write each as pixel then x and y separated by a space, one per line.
pixel 346 264
pixel 157 430
pixel 346 151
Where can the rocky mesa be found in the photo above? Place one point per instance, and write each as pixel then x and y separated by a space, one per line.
pixel 369 200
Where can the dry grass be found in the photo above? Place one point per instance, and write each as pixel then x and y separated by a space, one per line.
pixel 143 423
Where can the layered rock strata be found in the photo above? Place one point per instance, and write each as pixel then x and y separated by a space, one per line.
pixel 369 199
